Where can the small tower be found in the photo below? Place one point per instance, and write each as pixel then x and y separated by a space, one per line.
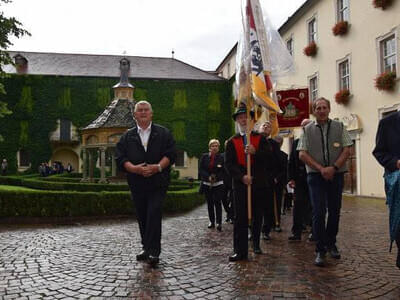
pixel 123 89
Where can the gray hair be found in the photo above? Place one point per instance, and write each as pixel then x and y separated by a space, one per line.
pixel 314 104
pixel 143 102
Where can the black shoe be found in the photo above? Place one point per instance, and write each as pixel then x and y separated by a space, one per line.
pixel 257 250
pixel 294 238
pixel 278 229
pixel 320 259
pixel 211 225
pixel 266 236
pixel 334 252
pixel 219 227
pixel 237 257
pixel 142 256
pixel 153 260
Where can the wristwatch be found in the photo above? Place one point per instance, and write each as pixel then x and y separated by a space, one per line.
pixel 336 167
pixel 159 168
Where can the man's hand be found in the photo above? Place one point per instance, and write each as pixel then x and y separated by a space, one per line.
pixel 246 179
pixel 150 170
pixel 250 149
pixel 328 173
pixel 292 184
pixel 398 164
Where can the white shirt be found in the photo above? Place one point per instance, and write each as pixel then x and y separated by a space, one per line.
pixel 144 135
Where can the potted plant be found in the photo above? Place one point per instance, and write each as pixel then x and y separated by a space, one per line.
pixel 382 3
pixel 340 28
pixel 385 81
pixel 311 49
pixel 342 97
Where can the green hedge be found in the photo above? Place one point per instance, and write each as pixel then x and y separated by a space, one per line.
pixel 78 204
pixel 46 183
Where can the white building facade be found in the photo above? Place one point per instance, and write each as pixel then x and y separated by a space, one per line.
pixel 350 61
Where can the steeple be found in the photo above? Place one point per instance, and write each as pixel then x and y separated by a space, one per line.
pixel 123 89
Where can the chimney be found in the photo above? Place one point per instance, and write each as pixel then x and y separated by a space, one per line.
pixel 21 64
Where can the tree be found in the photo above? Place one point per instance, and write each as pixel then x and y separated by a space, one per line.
pixel 8 27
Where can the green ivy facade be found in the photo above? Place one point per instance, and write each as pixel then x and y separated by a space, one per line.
pixel 195 111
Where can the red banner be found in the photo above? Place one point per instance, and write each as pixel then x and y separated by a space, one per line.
pixel 295 107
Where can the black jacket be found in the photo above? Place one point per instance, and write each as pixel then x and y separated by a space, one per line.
pixel 130 148
pixel 263 159
pixel 387 149
pixel 217 170
pixel 296 168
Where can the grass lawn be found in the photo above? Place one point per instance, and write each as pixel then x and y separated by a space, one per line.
pixel 14 188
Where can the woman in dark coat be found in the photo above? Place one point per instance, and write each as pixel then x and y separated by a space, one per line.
pixel 211 171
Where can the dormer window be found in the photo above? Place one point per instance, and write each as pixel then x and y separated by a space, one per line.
pixel 21 63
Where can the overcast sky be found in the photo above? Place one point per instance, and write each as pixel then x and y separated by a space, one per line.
pixel 201 32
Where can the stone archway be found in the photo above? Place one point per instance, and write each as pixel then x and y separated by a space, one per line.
pixel 66 156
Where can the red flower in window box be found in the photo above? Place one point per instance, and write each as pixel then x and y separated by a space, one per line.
pixel 385 81
pixel 311 49
pixel 342 97
pixel 340 28
pixel 382 3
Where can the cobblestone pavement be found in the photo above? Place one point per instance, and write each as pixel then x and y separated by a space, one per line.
pixel 97 261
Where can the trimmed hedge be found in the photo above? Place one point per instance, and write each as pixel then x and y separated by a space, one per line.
pixel 79 204
pixel 47 183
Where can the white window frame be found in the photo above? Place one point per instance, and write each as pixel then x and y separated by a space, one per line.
pixel 339 75
pixel 339 11
pixel 388 108
pixel 309 78
pixel 22 168
pixel 315 33
pixel 379 50
pixel 291 41
pixel 185 161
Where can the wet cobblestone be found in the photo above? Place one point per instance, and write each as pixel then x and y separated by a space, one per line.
pixel 97 261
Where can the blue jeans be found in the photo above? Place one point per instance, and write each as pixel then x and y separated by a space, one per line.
pixel 325 195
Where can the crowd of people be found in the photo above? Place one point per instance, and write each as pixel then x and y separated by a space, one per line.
pixel 57 167
pixel 313 174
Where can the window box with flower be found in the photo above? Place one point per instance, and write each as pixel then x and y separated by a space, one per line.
pixel 342 97
pixel 385 81
pixel 311 49
pixel 382 3
pixel 340 28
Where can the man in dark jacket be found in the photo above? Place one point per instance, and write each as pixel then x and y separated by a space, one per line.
pixel 272 169
pixel 387 153
pixel 297 177
pixel 146 152
pixel 280 181
pixel 235 162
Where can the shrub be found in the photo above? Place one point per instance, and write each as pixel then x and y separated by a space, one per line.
pixel 342 97
pixel 385 81
pixel 382 3
pixel 340 28
pixel 77 204
pixel 311 49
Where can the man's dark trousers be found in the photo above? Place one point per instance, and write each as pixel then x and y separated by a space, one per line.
pixel 241 225
pixel 301 207
pixel 148 206
pixel 325 194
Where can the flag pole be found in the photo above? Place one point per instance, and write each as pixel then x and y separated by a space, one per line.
pixel 248 160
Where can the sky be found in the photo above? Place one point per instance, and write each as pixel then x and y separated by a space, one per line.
pixel 201 32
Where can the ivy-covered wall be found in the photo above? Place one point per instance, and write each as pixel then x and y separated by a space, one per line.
pixel 194 111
